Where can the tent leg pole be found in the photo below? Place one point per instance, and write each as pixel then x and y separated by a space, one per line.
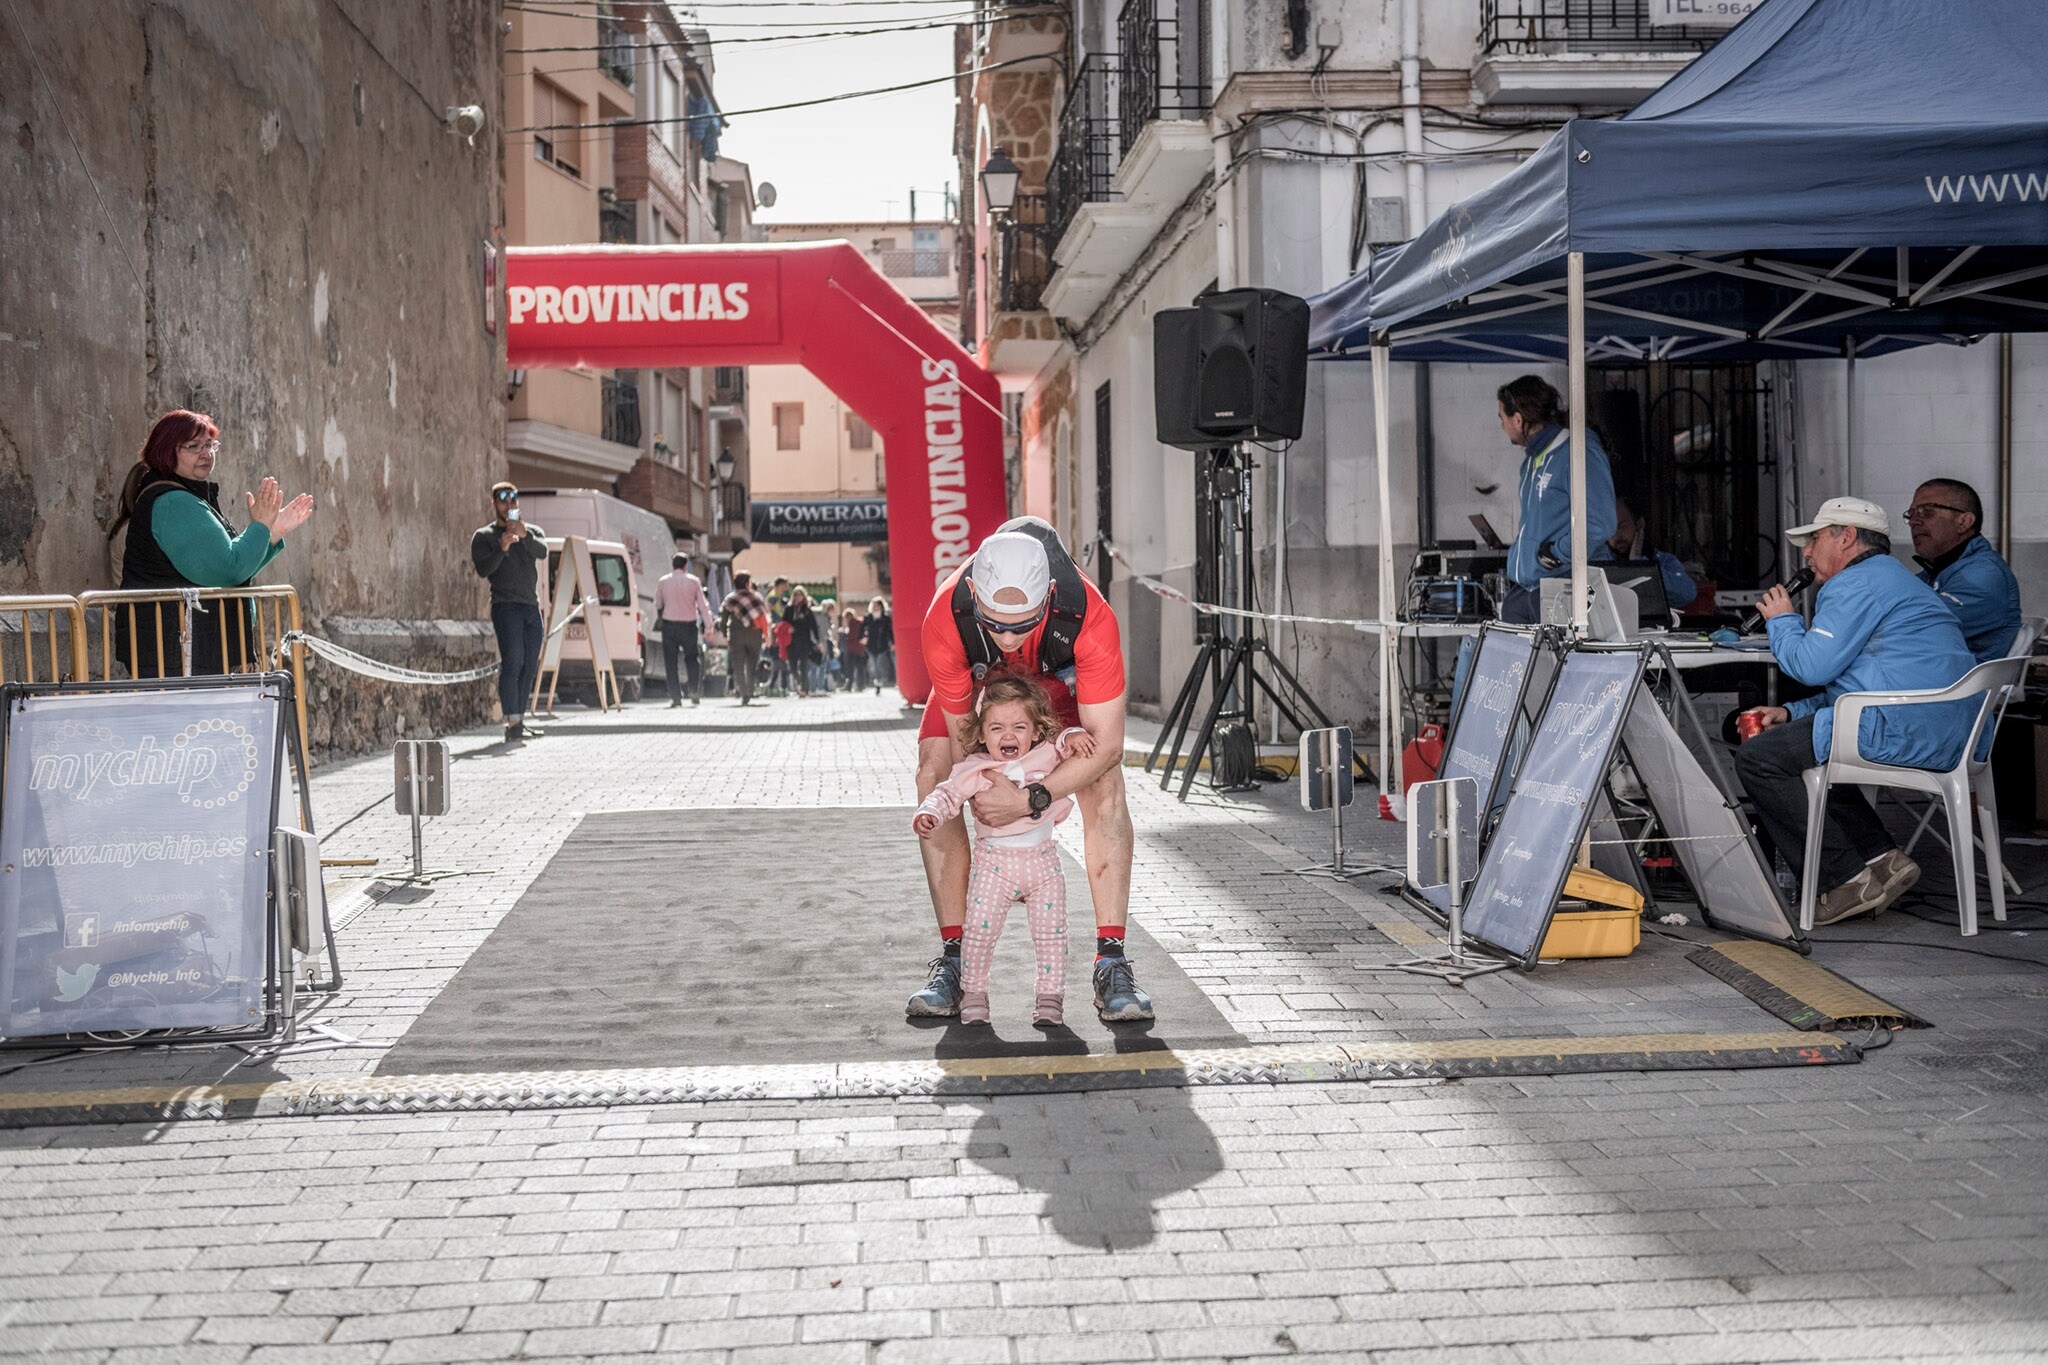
pixel 1576 405
pixel 1849 419
pixel 1382 388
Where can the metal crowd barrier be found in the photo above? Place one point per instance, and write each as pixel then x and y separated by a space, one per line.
pixel 20 612
pixel 106 629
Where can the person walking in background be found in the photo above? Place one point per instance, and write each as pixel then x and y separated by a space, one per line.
pixel 827 623
pixel 881 643
pixel 683 612
pixel 746 627
pixel 853 649
pixel 802 621
pixel 178 537
pixel 508 551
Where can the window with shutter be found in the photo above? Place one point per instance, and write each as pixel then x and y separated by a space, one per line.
pixel 789 426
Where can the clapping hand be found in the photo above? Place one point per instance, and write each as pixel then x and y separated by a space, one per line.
pixel 267 505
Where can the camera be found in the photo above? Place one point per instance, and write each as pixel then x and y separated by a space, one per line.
pixel 465 121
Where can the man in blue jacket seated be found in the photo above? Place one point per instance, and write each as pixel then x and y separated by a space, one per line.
pixel 1961 566
pixel 1532 417
pixel 1876 628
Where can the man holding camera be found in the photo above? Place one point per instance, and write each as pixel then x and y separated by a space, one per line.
pixel 508 551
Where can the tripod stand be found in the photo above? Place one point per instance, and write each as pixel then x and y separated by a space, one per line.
pixel 1230 656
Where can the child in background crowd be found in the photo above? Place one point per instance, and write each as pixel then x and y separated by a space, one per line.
pixel 1019 737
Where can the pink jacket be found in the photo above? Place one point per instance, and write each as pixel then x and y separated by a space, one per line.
pixel 970 778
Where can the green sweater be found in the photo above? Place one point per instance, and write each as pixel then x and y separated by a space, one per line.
pixel 199 546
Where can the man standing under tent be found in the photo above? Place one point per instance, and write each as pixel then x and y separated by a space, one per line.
pixel 1962 568
pixel 1533 416
pixel 1022 603
pixel 1876 628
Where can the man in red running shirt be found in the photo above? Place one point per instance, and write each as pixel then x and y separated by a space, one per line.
pixel 1013 591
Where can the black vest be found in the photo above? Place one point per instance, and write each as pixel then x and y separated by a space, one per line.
pixel 1062 624
pixel 144 563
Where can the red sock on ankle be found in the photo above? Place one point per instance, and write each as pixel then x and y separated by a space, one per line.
pixel 1109 941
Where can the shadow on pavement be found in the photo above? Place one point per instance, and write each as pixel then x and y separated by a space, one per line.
pixel 1103 1159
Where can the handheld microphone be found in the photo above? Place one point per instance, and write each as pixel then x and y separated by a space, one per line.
pixel 1801 581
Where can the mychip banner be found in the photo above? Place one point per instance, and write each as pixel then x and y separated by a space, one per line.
pixel 133 881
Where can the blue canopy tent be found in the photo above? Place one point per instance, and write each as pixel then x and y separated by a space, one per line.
pixel 1833 178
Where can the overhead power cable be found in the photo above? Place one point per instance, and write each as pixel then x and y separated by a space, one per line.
pixel 768 108
pixel 716 42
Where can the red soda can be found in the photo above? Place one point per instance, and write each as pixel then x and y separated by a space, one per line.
pixel 1748 725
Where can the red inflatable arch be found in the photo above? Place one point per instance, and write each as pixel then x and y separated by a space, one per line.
pixel 816 304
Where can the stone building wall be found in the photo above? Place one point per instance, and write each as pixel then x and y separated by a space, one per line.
pixel 257 211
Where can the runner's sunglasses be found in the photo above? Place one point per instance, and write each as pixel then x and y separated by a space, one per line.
pixel 1023 627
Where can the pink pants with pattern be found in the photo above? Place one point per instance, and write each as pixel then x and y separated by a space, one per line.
pixel 1000 876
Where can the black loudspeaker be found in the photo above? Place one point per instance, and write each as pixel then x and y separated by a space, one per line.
pixel 1232 368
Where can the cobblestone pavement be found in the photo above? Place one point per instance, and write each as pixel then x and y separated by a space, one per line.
pixel 1892 1210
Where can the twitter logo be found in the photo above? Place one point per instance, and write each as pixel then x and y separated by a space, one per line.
pixel 73 985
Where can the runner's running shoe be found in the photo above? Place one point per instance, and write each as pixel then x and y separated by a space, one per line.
pixel 941 996
pixel 1117 997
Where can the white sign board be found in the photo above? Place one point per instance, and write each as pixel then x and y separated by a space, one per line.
pixel 1561 777
pixel 133 878
pixel 1700 13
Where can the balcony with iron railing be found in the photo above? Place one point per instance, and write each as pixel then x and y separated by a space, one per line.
pixel 1605 53
pixel 1020 257
pixel 729 384
pixel 917 264
pixel 1543 27
pixel 615 223
pixel 1164 48
pixel 621 422
pixel 1090 145
pixel 614 48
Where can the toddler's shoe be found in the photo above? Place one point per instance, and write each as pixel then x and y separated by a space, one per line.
pixel 974 1007
pixel 1050 1011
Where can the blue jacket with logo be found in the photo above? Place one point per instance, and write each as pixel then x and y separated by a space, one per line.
pixel 1877 628
pixel 1979 588
pixel 1546 505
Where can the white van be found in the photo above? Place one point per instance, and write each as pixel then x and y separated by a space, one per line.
pixel 600 516
pixel 623 633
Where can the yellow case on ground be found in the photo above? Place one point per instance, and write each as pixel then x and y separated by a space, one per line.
pixel 1581 931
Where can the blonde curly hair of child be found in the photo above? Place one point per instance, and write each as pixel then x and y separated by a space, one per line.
pixel 1004 686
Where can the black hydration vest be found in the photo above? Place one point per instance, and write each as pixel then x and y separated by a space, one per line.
pixel 1062 622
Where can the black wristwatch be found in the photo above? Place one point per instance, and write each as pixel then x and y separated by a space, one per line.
pixel 1041 799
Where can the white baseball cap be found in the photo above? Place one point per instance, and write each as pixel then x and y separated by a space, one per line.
pixel 1855 512
pixel 1010 572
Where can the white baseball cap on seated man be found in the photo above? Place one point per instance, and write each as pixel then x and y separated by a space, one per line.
pixel 1857 512
pixel 1010 572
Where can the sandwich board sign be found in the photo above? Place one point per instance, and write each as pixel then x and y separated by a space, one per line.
pixel 1476 749
pixel 1562 778
pixel 575 586
pixel 134 876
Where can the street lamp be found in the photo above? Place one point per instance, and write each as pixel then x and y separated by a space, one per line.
pixel 999 182
pixel 724 465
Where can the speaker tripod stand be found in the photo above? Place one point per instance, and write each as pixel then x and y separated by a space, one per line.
pixel 1235 659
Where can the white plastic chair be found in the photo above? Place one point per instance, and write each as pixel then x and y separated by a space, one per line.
pixel 1993 682
pixel 1980 772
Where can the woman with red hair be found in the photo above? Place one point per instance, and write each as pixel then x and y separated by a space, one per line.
pixel 178 537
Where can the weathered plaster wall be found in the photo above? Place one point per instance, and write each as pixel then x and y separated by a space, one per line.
pixel 256 211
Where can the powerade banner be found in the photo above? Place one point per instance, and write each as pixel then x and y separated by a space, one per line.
pixel 787 521
pixel 133 881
